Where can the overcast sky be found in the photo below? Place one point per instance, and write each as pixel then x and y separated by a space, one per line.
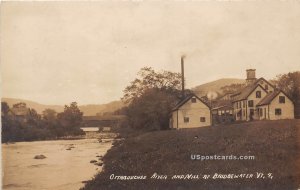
pixel 55 53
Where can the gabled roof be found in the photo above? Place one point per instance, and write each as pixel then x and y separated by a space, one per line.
pixel 245 92
pixel 181 103
pixel 255 83
pixel 261 78
pixel 269 98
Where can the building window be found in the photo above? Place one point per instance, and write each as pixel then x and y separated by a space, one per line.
pixel 258 94
pixel 193 100
pixel 266 87
pixel 202 119
pixel 277 111
pixel 281 99
pixel 250 103
pixel 186 119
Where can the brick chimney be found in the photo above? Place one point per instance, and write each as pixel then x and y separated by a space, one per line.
pixel 250 76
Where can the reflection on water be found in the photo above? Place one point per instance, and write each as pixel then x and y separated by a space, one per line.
pixel 62 169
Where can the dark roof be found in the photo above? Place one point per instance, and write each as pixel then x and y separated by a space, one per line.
pixel 182 102
pixel 224 107
pixel 269 97
pixel 219 103
pixel 245 92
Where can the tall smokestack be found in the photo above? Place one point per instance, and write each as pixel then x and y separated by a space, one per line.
pixel 182 76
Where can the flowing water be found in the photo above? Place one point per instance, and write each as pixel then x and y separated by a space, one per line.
pixel 62 169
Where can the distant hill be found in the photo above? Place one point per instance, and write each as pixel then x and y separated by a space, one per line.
pixel 30 104
pixel 88 110
pixel 93 109
pixel 215 86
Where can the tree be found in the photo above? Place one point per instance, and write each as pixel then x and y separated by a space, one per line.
pixel 71 116
pixel 33 118
pixel 19 105
pixel 290 84
pixel 149 79
pixel 36 127
pixel 5 130
pixel 4 108
pixel 151 110
pixel 151 97
pixel 49 115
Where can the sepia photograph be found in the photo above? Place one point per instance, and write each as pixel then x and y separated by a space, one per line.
pixel 150 94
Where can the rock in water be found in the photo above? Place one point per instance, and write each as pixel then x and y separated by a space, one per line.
pixel 40 157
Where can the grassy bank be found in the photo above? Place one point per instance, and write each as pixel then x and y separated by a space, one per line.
pixel 275 145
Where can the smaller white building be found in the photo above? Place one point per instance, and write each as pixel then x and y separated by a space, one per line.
pixel 190 113
pixel 276 105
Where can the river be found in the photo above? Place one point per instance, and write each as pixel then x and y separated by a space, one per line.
pixel 62 169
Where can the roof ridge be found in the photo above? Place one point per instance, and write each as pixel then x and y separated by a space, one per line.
pixel 180 103
pixel 245 92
